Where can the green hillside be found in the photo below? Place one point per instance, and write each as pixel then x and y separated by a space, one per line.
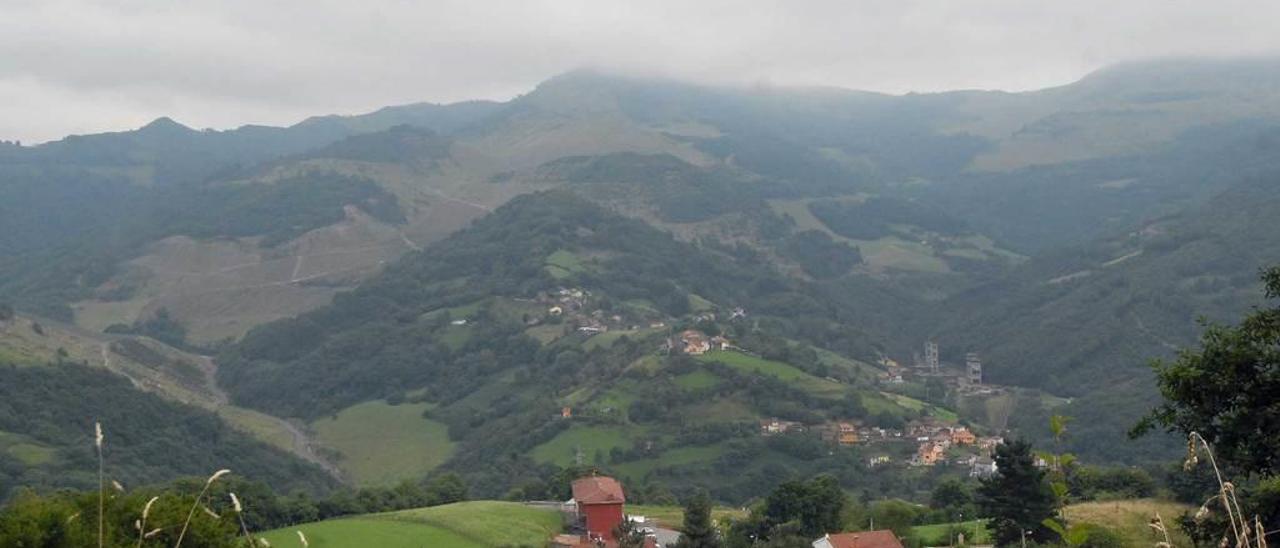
pixel 652 415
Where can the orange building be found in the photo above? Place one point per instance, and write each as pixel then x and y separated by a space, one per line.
pixel 930 453
pixel 962 436
pixel 847 434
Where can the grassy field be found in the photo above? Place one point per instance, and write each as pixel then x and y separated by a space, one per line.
pixel 561 449
pixel 258 425
pixel 696 380
pixel 383 444
pixel 25 450
pixel 357 532
pixel 673 516
pixel 784 372
pixel 753 364
pixel 493 523
pixel 605 340
pixel 913 404
pixel 546 333
pixel 975 532
pixel 563 264
pixel 461 525
pixel 1129 518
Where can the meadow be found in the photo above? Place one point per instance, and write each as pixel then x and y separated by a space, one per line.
pixel 382 444
pixel 458 525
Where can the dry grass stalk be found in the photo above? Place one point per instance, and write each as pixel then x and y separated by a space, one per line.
pixel 235 503
pixel 303 538
pixel 196 504
pixel 1247 533
pixel 102 495
pixel 142 523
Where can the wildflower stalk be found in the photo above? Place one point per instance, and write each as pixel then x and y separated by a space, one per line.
pixel 142 523
pixel 196 504
pixel 102 495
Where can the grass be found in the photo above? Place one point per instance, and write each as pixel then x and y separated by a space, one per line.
pixel 491 523
pixel 546 333
pixel 699 304
pixel 784 372
pixel 383 444
pixel 605 340
pixel 696 380
pixel 913 404
pixel 258 425
pixel 357 532
pixel 753 364
pixel 561 449
pixel 455 336
pixel 563 264
pixel 25 450
pixel 673 516
pixel 1129 518
pixel 887 252
pixel 939 534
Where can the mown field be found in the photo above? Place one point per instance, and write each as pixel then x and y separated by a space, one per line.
pixel 473 524
pixel 382 444
pixel 1129 518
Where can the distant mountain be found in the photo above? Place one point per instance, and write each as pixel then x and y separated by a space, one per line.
pixel 1066 234
pixel 1085 322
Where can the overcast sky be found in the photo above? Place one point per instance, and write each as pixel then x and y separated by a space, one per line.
pixel 95 65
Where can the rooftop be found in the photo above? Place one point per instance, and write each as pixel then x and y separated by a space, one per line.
pixel 883 538
pixel 598 490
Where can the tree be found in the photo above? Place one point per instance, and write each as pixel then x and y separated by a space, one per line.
pixel 950 494
pixel 446 489
pixel 1018 498
pixel 1225 390
pixel 698 531
pixel 815 505
pixel 628 536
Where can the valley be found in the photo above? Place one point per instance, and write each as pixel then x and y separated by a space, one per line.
pixel 689 288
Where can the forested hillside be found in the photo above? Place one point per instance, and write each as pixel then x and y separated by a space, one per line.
pixel 47 416
pixel 508 282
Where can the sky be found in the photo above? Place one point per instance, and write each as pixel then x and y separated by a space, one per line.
pixel 86 66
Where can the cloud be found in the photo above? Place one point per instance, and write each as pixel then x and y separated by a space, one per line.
pixel 71 66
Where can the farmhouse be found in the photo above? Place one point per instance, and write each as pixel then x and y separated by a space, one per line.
pixel 930 454
pixel 883 538
pixel 962 436
pixel 776 426
pixel 983 467
pixel 694 342
pixel 599 501
pixel 847 433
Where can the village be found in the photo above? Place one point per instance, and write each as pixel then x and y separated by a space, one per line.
pixel 923 442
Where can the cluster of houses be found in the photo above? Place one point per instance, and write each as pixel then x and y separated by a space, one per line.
pixel 697 343
pixel 597 510
pixel 934 441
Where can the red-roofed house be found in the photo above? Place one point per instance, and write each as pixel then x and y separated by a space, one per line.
pixel 862 539
pixel 599 500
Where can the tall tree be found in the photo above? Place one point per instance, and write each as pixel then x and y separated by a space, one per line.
pixel 814 505
pixel 1226 390
pixel 1018 497
pixel 698 531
